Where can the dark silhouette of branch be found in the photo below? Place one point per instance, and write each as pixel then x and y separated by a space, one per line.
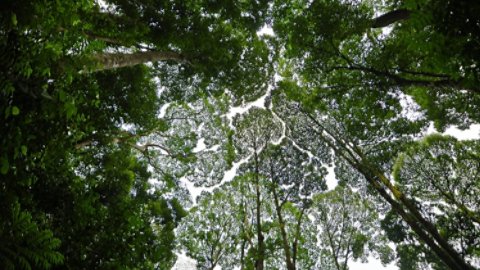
pixel 391 17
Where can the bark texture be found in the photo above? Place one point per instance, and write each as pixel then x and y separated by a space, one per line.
pixel 117 60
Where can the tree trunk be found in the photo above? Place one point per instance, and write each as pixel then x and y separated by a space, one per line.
pixel 425 230
pixel 283 233
pixel 334 252
pixel 297 236
pixel 259 260
pixel 391 17
pixel 427 226
pixel 106 61
pixel 242 254
pixel 410 214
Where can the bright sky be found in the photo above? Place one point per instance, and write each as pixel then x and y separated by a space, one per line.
pixel 472 133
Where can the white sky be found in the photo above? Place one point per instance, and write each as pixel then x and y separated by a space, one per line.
pixel 472 133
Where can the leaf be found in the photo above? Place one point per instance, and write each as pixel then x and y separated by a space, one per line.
pixel 46 72
pixel 7 111
pixel 28 71
pixel 71 110
pixel 14 19
pixel 23 149
pixel 61 95
pixel 5 165
pixel 15 110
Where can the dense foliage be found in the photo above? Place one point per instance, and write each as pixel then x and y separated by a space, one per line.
pixel 113 112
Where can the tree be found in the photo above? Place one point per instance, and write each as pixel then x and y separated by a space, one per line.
pixel 370 163
pixel 254 131
pixel 441 173
pixel 66 182
pixel 67 130
pixel 210 46
pixel 209 233
pixel 199 132
pixel 419 56
pixel 25 244
pixel 346 226
pixel 91 176
pixel 292 178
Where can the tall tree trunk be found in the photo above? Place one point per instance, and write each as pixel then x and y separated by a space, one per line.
pixel 334 249
pixel 297 236
pixel 411 215
pixel 425 230
pixel 283 233
pixel 391 17
pixel 106 61
pixel 414 212
pixel 243 230
pixel 242 254
pixel 260 258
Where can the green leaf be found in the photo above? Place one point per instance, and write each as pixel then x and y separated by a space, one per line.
pixel 61 95
pixel 5 165
pixel 28 71
pixel 46 72
pixel 7 111
pixel 70 109
pixel 14 19
pixel 23 149
pixel 15 110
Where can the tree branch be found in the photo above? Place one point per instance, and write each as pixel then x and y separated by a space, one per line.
pixel 117 60
pixel 390 18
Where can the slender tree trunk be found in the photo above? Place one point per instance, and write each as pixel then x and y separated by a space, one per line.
pixel 297 236
pixel 259 260
pixel 334 252
pixel 106 61
pixel 391 17
pixel 283 233
pixel 242 254
pixel 243 225
pixel 125 140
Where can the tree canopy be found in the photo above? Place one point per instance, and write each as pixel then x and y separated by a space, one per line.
pixel 314 144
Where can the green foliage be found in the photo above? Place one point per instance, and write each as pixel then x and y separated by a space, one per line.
pixel 347 228
pixel 429 55
pixel 255 130
pixel 211 245
pixel 441 172
pixel 25 245
pixel 90 174
pixel 68 173
pixel 291 173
